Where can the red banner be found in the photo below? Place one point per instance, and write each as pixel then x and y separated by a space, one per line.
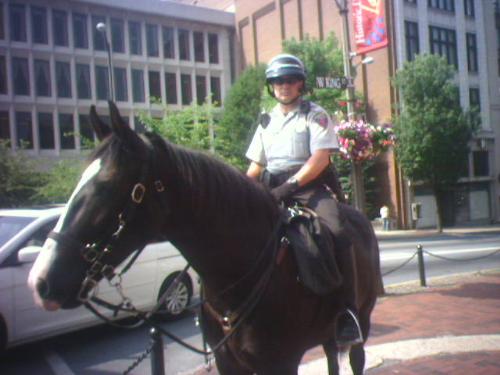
pixel 370 29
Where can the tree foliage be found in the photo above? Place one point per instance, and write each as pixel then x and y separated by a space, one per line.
pixel 432 130
pixel 60 181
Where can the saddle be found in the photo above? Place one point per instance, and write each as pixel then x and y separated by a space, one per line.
pixel 312 245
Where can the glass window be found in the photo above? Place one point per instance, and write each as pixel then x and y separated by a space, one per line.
pixel 171 87
pixel 4 126
pixel 86 132
pixel 412 40
pixel 21 76
pixel 80 34
pixel 17 14
pixel 135 38
pixel 138 85
pixel 444 42
pixel 83 81
pixel 201 89
pixel 39 25
pixel 152 40
pixel 447 5
pixel 98 37
pixel 46 131
pixel 199 46
pixel 474 98
pixel 66 131
pixel 481 163
pixel 2 31
pixel 213 48
pixel 102 82
pixel 63 79
pixel 42 78
pixel 469 8
pixel 60 27
pixel 24 130
pixel 120 78
pixel 154 84
pixel 186 91
pixel 184 45
pixel 471 52
pixel 215 90
pixel 168 42
pixel 3 75
pixel 117 35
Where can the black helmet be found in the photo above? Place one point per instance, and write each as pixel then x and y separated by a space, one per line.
pixel 285 65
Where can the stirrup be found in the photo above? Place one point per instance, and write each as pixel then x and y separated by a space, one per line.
pixel 359 335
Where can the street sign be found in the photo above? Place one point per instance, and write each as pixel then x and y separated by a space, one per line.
pixel 333 82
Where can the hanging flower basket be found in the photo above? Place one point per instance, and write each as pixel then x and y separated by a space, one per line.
pixel 361 141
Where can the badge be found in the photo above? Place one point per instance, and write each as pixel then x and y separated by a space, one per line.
pixel 322 119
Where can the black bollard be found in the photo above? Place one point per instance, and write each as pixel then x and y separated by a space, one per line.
pixel 421 265
pixel 157 364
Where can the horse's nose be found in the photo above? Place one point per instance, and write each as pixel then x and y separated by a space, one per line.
pixel 42 288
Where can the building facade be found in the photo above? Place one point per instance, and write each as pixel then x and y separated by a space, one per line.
pixel 466 32
pixel 54 65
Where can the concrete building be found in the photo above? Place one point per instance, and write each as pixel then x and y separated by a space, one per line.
pixel 467 32
pixel 54 65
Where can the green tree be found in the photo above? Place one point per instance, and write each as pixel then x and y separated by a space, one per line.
pixel 432 130
pixel 60 181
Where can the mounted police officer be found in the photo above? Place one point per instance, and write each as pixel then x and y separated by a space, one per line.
pixel 290 153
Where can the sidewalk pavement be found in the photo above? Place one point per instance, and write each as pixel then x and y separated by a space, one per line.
pixel 450 327
pixel 432 232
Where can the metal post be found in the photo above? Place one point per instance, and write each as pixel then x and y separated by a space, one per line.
pixel 421 265
pixel 157 364
pixel 101 27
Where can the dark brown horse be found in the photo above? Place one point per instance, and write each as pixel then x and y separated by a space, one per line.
pixel 138 188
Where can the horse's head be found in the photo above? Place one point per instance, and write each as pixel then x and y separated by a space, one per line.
pixel 104 221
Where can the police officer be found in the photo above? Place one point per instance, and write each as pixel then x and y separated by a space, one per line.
pixel 290 152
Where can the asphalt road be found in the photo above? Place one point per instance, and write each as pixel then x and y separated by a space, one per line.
pixel 107 350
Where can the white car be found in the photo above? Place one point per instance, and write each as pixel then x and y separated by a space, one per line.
pixel 23 232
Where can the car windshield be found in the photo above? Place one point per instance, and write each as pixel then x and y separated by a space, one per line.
pixel 11 225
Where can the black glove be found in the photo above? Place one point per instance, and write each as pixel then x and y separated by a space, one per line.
pixel 285 190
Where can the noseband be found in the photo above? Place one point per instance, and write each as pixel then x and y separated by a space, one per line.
pixel 93 253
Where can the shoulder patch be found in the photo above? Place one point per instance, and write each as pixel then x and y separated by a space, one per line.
pixel 264 119
pixel 321 119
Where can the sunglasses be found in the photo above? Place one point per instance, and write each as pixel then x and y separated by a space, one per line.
pixel 282 80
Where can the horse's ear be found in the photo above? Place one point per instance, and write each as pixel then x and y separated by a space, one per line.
pixel 120 127
pixel 101 129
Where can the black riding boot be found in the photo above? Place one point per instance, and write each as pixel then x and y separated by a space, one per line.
pixel 348 328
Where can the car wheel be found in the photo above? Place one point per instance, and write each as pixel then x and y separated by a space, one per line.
pixel 174 306
pixel 3 337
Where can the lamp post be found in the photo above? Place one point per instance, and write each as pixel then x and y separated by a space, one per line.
pixel 101 27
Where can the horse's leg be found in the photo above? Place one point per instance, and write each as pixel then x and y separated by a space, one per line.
pixel 330 348
pixel 357 352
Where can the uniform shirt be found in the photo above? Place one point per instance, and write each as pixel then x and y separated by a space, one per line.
pixel 289 140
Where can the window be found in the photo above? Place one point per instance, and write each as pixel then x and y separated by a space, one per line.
pixel 66 131
pixel 171 87
pixel 412 40
pixel 60 27
pixel 24 130
pixel 135 38
pixel 447 5
pixel 154 84
pixel 411 1
pixel 469 8
pixel 42 78
pixel 46 131
pixel 139 126
pixel 444 42
pixel 83 81
pixel 187 95
pixel 215 90
pixel 497 25
pixel 39 25
pixel 184 45
pixel 3 75
pixel 201 89
pixel 17 14
pixel 471 52
pixel 80 34
pixel 86 132
pixel 480 162
pixel 152 40
pixel 120 78
pixel 199 46
pixel 4 126
pixel 2 32
pixel 168 42
pixel 98 37
pixel 102 82
pixel 138 86
pixel 117 35
pixel 21 77
pixel 213 48
pixel 63 79
pixel 474 98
